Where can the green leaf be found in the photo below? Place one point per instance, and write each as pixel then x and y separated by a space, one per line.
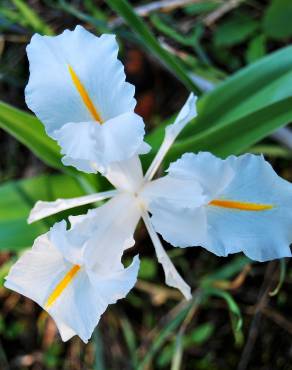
pixel 158 342
pixel 148 269
pixel 283 272
pixel 227 271
pixel 256 48
pixel 130 339
pixel 29 131
pixel 239 112
pixel 17 199
pixel 125 10
pixel 98 345
pixel 235 30
pixel 236 136
pixel 202 7
pixel 277 19
pixel 254 87
pixel 197 337
pixel 32 19
pixel 232 305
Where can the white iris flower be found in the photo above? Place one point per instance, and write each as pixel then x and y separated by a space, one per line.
pixel 226 206
pixel 77 89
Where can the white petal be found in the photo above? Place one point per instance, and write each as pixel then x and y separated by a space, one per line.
pixel 126 175
pixel 261 235
pixel 91 147
pixel 69 247
pixel 212 173
pixel 186 114
pixel 80 303
pixel 45 209
pixel 115 284
pixel 123 138
pixel 82 144
pixel 176 208
pixel 182 193
pixel 87 297
pixel 51 93
pixel 179 226
pixel 32 275
pixel 106 231
pixel 172 277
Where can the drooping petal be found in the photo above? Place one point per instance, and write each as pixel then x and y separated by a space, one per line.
pixel 186 114
pixel 115 284
pixel 45 209
pixel 172 277
pixel 253 213
pixel 76 77
pixel 72 248
pixel 36 274
pixel 203 168
pixel 74 296
pixel 175 204
pixel 87 297
pixel 180 226
pixel 249 205
pixel 32 273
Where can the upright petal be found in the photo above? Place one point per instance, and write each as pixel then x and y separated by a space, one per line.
pixel 76 77
pixel 186 114
pixel 127 175
pixel 172 277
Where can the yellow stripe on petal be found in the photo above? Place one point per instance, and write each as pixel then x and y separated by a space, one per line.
pixel 242 206
pixel 84 95
pixel 67 279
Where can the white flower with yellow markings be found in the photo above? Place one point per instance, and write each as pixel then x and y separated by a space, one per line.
pixel 226 206
pixel 75 277
pixel 78 91
pixel 247 207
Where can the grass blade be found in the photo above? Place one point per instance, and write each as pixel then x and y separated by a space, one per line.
pixel 125 10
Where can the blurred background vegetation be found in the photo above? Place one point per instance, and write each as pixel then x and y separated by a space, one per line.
pixel 235 55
